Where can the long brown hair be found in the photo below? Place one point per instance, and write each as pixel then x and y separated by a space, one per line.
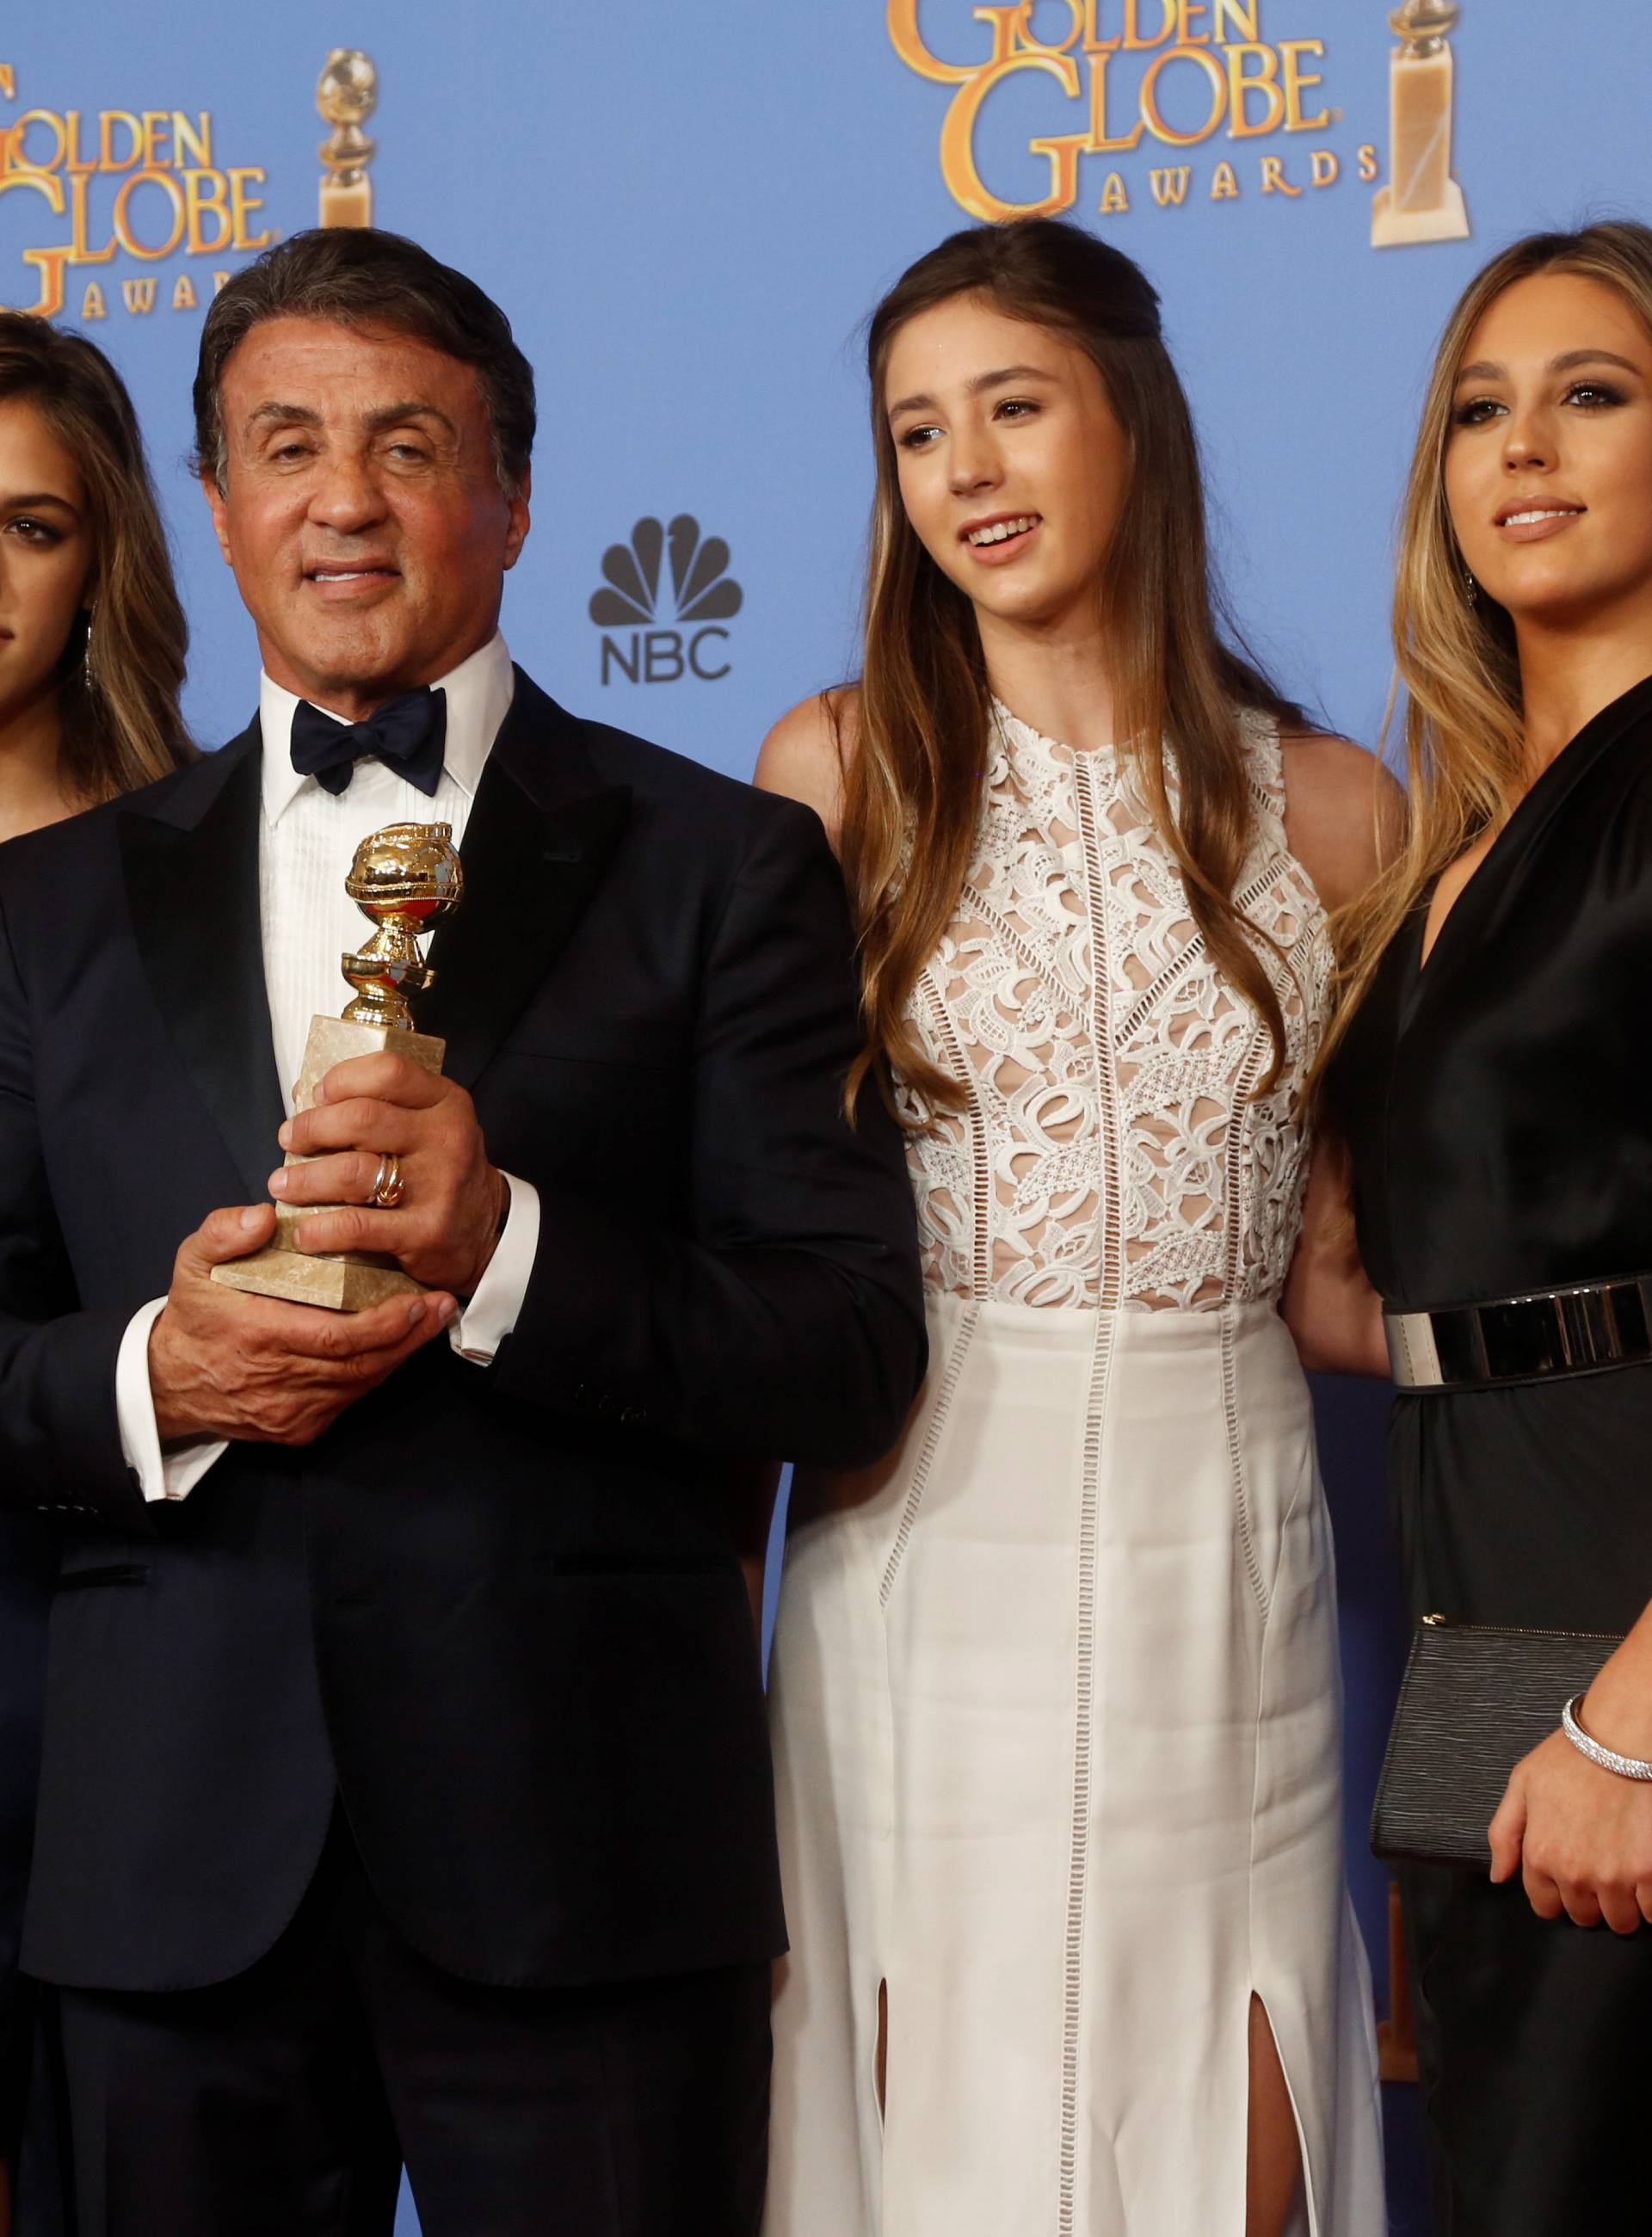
pixel 912 788
pixel 124 663
pixel 1457 665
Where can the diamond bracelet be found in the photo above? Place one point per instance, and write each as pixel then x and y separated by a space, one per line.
pixel 1626 1766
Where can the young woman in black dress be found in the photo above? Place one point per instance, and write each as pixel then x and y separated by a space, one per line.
pixel 91 658
pixel 1493 1084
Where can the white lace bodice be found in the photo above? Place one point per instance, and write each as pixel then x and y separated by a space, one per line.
pixel 1113 1152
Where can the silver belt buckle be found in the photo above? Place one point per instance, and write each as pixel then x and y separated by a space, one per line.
pixel 1412 1353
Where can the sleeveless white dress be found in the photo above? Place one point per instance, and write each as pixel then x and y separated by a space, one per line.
pixel 1055 1690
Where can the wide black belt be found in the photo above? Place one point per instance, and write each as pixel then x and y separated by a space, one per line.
pixel 1575 1330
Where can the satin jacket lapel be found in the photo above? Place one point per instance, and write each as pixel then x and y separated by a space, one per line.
pixel 536 845
pixel 190 857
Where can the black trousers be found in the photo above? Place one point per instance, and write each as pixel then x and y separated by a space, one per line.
pixel 283 2103
pixel 1532 2038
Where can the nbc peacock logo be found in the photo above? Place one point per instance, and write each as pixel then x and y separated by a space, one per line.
pixel 702 596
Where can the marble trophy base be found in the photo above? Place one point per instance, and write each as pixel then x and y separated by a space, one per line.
pixel 349 1281
pixel 1394 228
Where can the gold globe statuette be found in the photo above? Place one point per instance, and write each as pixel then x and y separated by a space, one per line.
pixel 345 96
pixel 1421 201
pixel 405 880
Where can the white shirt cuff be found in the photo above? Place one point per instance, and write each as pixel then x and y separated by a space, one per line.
pixel 475 1336
pixel 482 1325
pixel 171 1474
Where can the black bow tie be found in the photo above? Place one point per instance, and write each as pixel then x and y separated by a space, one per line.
pixel 407 735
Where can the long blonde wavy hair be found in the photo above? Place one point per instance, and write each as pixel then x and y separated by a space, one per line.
pixel 912 785
pixel 1456 663
pixel 123 666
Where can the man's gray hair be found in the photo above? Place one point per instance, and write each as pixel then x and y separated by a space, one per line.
pixel 356 276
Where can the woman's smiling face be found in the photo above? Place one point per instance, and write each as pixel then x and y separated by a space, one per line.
pixel 1013 467
pixel 45 555
pixel 1549 464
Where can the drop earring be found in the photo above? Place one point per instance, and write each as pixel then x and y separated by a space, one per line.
pixel 1470 587
pixel 86 662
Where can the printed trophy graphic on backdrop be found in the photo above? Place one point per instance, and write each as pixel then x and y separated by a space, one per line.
pixel 347 95
pixel 404 878
pixel 1422 201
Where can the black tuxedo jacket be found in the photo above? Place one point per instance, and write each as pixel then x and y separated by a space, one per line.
pixel 497 1611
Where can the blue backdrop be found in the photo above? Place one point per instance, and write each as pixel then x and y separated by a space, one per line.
pixel 688 206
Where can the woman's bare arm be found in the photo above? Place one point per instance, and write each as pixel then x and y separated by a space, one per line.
pixel 1343 814
pixel 1330 1308
pixel 803 756
pixel 1343 817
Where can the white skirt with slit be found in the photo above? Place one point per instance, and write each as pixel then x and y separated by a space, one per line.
pixel 1057 1722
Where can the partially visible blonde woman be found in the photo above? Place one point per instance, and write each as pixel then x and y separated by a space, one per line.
pixel 92 644
pixel 92 638
pixel 1493 1079
pixel 1055 1687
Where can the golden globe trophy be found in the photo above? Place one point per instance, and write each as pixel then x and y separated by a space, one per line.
pixel 347 95
pixel 404 878
pixel 1422 201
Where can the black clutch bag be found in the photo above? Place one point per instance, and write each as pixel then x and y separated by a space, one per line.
pixel 1474 1700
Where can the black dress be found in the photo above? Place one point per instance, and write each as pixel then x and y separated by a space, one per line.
pixel 1498 1104
pixel 28 2098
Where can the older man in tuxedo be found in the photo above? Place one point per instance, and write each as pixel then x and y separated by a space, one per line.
pixel 406 1791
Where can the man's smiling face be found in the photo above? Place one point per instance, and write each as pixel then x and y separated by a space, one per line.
pixel 361 509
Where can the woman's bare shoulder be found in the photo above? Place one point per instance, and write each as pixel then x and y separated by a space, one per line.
pixel 809 749
pixel 1344 814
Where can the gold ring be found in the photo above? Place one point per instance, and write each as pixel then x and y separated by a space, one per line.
pixel 388 1187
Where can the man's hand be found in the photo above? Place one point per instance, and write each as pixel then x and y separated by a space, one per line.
pixel 225 1364
pixel 447 1225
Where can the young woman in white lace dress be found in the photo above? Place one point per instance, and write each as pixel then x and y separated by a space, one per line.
pixel 1055 1687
